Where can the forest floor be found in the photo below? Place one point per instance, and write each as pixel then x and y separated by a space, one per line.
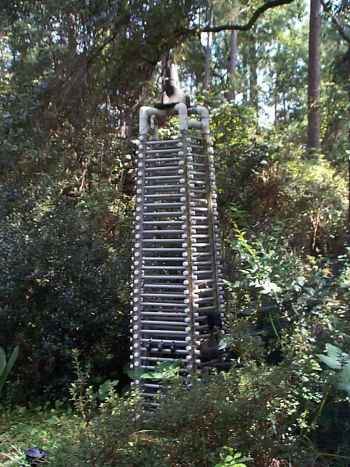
pixel 43 427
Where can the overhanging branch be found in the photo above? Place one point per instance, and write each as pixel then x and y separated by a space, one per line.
pixel 244 27
pixel 337 24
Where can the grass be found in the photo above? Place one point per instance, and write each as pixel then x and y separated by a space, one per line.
pixel 43 427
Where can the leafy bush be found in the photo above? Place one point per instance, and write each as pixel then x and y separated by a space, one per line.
pixel 191 427
pixel 63 285
pixel 266 183
pixel 282 311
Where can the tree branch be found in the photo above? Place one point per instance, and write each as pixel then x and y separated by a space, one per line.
pixel 336 22
pixel 244 27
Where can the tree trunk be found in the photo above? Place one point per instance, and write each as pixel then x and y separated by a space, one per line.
pixel 232 65
pixel 314 77
pixel 275 100
pixel 253 77
pixel 208 52
pixel 245 78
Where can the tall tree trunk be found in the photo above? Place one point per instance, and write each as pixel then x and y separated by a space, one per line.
pixel 245 78
pixel 314 77
pixel 275 99
pixel 253 76
pixel 232 65
pixel 208 52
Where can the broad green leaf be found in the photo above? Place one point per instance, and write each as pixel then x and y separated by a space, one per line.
pixel 331 362
pixel 335 357
pixel 12 360
pixel 334 351
pixel 2 360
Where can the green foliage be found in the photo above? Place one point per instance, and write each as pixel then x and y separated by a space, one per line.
pixel 83 395
pixel 191 427
pixel 72 75
pixel 231 458
pixel 6 365
pixel 63 285
pixel 314 204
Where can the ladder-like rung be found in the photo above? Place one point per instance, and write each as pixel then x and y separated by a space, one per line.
pixel 163 323
pixel 164 213
pixel 163 159
pixel 165 304
pixel 164 277
pixel 163 332
pixel 200 200
pixel 164 313
pixel 181 322
pixel 162 359
pixel 166 187
pixel 171 222
pixel 162 195
pixel 159 258
pixel 162 341
pixel 164 250
pixel 167 167
pixel 163 151
pixel 199 208
pixel 157 268
pixel 164 286
pixel 165 177
pixel 163 205
pixel 163 141
pixel 163 295
pixel 163 240
pixel 165 231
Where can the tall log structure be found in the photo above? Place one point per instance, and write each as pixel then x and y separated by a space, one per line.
pixel 177 285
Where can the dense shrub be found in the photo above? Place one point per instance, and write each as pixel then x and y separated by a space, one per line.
pixel 63 285
pixel 275 412
pixel 265 412
pixel 266 183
